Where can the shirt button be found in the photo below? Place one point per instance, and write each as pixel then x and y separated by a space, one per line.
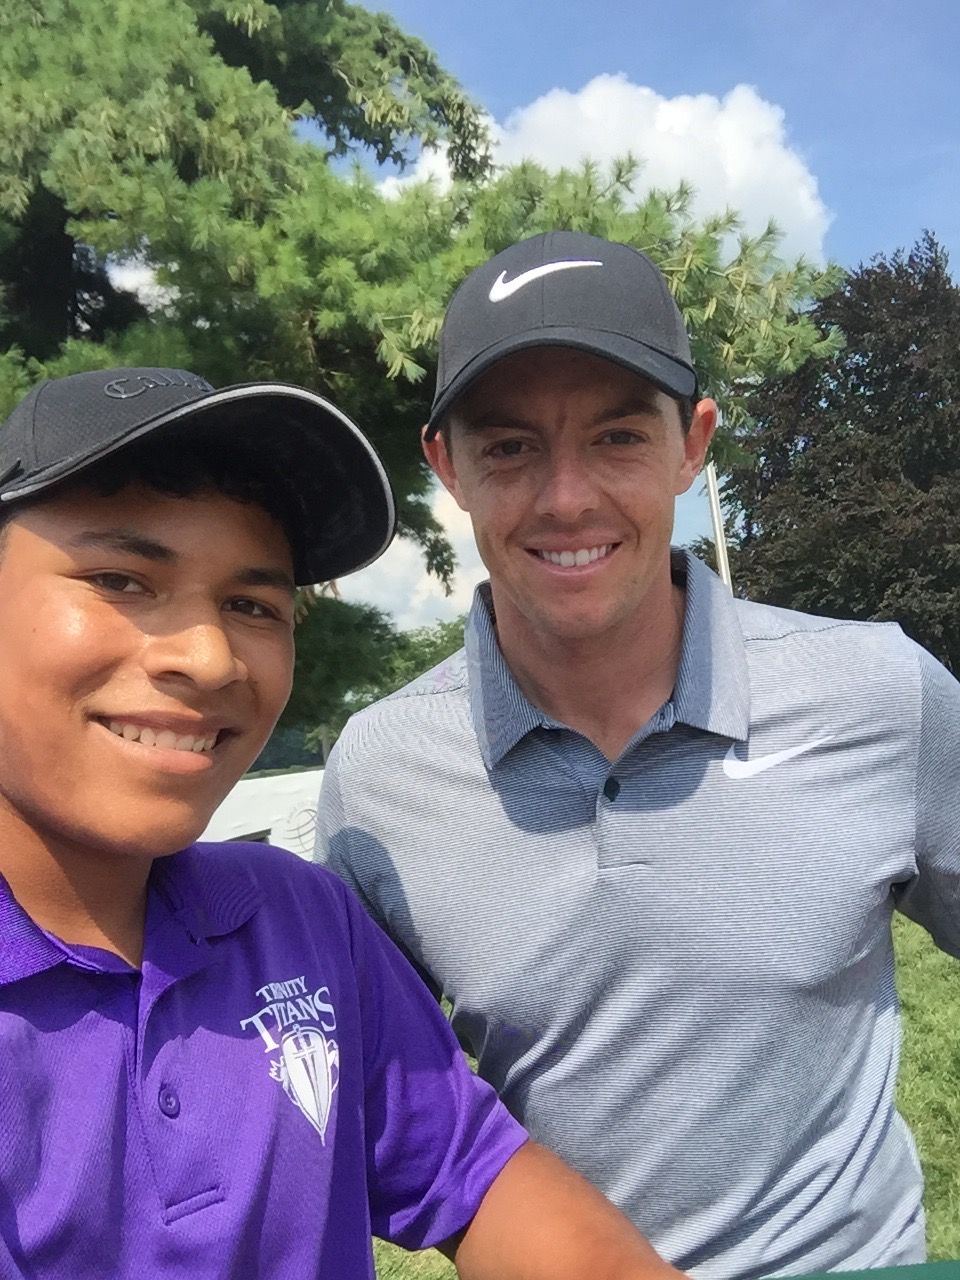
pixel 611 788
pixel 169 1103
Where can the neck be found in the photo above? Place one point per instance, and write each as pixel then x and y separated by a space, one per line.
pixel 605 686
pixel 89 898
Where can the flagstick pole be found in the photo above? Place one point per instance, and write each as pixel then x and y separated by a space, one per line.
pixel 716 515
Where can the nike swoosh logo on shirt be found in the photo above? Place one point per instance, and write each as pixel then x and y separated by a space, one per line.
pixel 504 288
pixel 734 767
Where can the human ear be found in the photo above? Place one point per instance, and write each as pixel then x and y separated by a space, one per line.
pixel 696 442
pixel 437 453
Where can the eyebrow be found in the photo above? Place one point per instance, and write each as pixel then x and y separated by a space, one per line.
pixel 491 420
pixel 635 408
pixel 257 577
pixel 124 540
pixel 133 544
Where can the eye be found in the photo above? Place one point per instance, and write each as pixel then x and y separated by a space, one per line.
pixel 621 436
pixel 507 449
pixel 117 583
pixel 252 608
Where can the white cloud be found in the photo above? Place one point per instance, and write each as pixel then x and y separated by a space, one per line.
pixel 431 166
pixel 734 150
pixel 135 276
pixel 398 584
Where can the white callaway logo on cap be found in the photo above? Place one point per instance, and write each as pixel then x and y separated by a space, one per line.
pixel 504 288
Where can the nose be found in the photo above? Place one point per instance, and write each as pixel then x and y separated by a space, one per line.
pixel 198 650
pixel 567 490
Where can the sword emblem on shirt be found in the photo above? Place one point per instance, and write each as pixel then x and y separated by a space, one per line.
pixel 309 1070
pixel 295 1022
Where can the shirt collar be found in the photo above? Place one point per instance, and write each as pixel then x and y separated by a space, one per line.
pixel 713 682
pixel 501 712
pixel 195 895
pixel 712 691
pixel 208 889
pixel 24 948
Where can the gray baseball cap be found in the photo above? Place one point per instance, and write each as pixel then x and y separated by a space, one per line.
pixel 564 289
pixel 339 504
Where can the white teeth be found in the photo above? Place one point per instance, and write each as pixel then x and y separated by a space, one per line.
pixel 569 559
pixel 164 738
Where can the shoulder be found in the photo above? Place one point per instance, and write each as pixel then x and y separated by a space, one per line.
pixel 766 625
pixel 273 877
pixel 431 705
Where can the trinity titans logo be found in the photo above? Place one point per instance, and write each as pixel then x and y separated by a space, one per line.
pixel 295 1023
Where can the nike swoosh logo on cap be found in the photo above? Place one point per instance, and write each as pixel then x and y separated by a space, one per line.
pixel 734 767
pixel 504 288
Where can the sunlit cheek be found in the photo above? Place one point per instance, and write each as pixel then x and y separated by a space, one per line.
pixel 76 642
pixel 270 670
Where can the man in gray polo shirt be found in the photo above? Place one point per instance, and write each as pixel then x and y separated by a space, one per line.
pixel 647 838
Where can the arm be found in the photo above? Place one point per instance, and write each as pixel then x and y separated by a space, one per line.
pixel 932 896
pixel 541 1221
pixel 349 852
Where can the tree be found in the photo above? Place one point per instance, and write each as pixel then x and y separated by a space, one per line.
pixel 848 500
pixel 413 653
pixel 197 138
pixel 188 135
pixel 341 647
pixel 350 655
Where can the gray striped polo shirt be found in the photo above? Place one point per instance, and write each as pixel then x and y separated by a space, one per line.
pixel 677 968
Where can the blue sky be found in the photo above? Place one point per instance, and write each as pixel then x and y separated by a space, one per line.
pixel 870 91
pixel 840 119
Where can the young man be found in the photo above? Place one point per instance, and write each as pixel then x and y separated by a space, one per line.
pixel 646 837
pixel 212 1064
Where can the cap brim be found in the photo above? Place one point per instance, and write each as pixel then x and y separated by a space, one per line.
pixel 343 508
pixel 670 375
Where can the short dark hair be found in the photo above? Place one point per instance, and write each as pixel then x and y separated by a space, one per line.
pixel 176 465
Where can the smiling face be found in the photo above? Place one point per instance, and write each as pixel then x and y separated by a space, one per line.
pixel 568 466
pixel 146 644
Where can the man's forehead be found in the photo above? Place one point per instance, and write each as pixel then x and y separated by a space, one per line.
pixel 557 372
pixel 140 521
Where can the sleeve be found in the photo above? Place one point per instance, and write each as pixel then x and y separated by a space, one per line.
pixel 932 896
pixel 436 1135
pixel 355 857
pixel 332 844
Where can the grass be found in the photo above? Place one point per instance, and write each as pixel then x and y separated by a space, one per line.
pixel 929 1098
pixel 929 1093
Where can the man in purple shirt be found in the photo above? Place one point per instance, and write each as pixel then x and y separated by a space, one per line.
pixel 212 1064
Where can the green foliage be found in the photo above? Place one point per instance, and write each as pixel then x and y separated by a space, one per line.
pixel 350 655
pixel 341 647
pixel 848 502
pixel 929 1085
pixel 173 135
pixel 194 138
pixel 394 1263
pixel 414 653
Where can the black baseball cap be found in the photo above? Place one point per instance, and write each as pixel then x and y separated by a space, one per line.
pixel 334 491
pixel 564 289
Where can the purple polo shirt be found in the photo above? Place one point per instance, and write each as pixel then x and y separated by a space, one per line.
pixel 271 1087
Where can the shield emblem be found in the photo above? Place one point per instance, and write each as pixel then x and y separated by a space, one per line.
pixel 309 1072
